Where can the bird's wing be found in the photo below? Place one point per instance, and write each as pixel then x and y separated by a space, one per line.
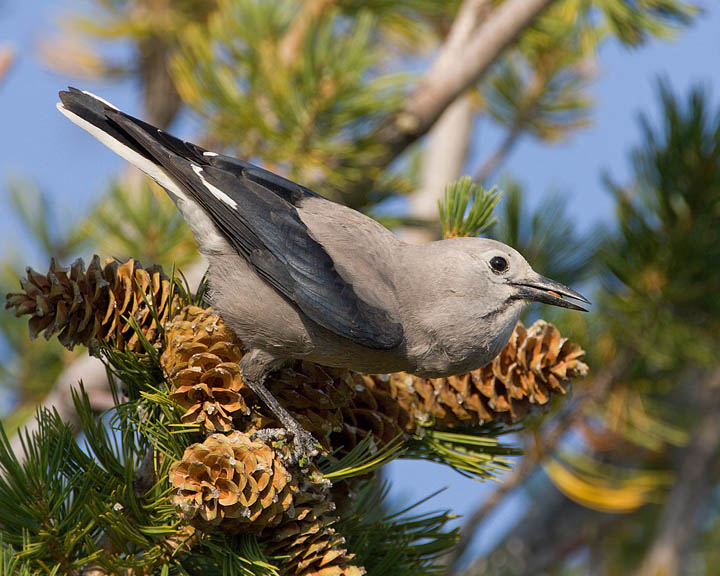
pixel 255 210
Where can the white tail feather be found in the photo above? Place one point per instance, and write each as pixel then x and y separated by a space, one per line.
pixel 202 227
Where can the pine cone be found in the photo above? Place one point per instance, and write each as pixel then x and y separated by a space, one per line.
pixel 232 483
pixel 372 410
pixel 200 361
pixel 83 306
pixel 310 544
pixel 316 396
pixel 340 408
pixel 535 364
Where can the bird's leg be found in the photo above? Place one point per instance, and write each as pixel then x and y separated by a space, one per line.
pixel 267 435
pixel 255 367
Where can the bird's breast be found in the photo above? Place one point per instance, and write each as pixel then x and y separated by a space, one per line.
pixel 464 345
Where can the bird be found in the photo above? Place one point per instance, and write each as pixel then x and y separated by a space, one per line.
pixel 297 276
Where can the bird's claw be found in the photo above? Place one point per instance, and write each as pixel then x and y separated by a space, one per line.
pixel 267 435
pixel 305 446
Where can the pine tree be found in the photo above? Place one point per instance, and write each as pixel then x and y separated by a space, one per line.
pixel 170 479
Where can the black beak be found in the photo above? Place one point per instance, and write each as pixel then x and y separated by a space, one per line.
pixel 550 292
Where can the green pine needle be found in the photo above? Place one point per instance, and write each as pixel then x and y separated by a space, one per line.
pixel 475 453
pixel 365 457
pixel 392 542
pixel 466 209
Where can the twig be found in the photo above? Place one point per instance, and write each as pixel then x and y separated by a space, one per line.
pixel 7 56
pixel 492 162
pixel 595 390
pixel 470 50
pixel 691 491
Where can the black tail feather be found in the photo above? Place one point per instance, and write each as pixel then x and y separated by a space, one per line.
pixel 96 113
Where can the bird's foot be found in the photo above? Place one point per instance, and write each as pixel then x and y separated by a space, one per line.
pixel 305 446
pixel 268 435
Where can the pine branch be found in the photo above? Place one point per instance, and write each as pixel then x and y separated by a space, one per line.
pixel 545 445
pixel 291 43
pixel 364 421
pixel 470 50
pixel 372 527
pixel 680 519
pixel 466 209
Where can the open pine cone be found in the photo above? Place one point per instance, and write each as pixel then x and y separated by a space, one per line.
pixel 340 408
pixel 200 361
pixel 232 483
pixel 82 306
pixel 536 363
pixel 310 544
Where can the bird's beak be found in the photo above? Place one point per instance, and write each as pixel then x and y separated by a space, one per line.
pixel 549 291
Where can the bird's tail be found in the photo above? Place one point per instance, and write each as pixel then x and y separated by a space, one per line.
pixel 93 114
pixel 142 145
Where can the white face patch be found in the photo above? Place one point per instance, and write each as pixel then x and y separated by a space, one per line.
pixel 101 99
pixel 214 190
pixel 209 153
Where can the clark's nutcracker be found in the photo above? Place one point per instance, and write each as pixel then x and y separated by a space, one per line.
pixel 298 276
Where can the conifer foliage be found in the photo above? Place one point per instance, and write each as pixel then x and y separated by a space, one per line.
pixel 182 476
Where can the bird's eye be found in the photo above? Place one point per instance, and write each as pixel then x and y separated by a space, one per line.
pixel 498 264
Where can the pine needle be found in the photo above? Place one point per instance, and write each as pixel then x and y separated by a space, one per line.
pixel 466 209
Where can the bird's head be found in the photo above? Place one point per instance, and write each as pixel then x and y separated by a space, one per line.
pixel 502 271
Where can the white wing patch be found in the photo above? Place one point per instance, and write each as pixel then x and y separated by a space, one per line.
pixel 210 154
pixel 214 190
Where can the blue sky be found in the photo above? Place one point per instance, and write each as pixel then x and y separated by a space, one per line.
pixel 40 145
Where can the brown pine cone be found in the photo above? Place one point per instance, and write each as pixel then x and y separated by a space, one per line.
pixel 372 410
pixel 315 395
pixel 200 361
pixel 310 544
pixel 536 363
pixel 232 483
pixel 83 306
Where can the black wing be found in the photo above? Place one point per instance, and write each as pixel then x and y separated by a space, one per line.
pixel 256 212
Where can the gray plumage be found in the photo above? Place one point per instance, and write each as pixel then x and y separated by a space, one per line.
pixel 295 275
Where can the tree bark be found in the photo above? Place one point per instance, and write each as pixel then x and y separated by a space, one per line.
pixel 443 160
pixel 470 50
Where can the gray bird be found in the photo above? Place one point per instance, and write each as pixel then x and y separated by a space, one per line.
pixel 295 275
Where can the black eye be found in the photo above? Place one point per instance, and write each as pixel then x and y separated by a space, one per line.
pixel 498 264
